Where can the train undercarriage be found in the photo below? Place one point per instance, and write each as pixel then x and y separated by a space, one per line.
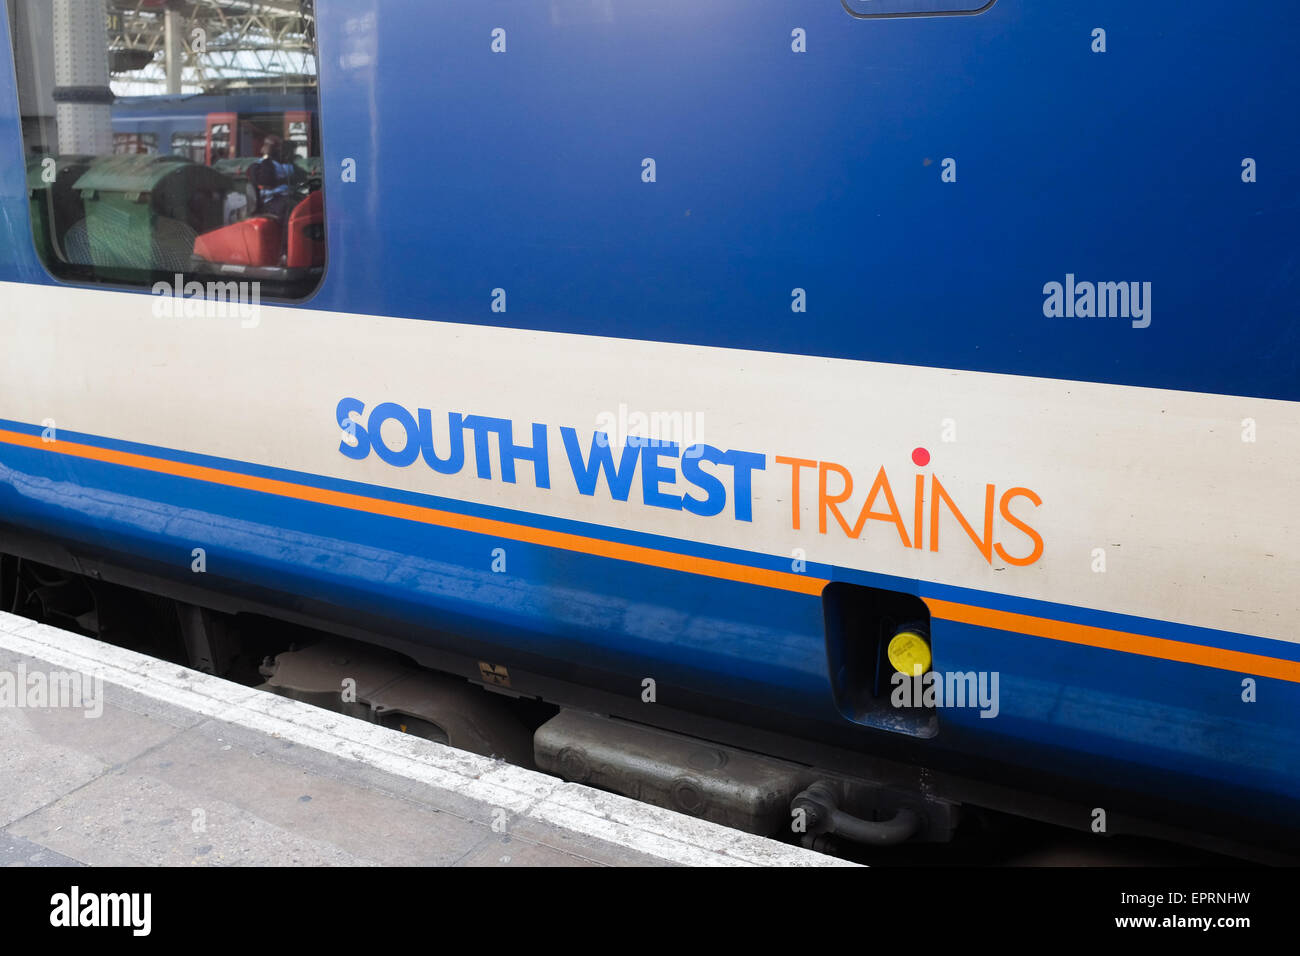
pixel 854 805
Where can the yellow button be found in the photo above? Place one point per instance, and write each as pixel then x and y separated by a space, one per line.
pixel 909 653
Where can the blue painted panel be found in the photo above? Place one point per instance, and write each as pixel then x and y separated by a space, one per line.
pixel 821 170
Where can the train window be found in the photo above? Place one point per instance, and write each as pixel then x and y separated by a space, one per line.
pixel 217 145
pixel 169 138
pixel 193 146
pixel 133 143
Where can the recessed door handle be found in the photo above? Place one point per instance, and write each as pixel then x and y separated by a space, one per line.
pixel 891 9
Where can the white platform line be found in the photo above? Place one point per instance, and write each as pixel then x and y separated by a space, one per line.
pixel 663 834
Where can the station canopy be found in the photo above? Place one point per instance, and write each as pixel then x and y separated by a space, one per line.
pixel 226 46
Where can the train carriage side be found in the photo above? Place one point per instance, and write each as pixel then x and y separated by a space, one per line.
pixel 713 366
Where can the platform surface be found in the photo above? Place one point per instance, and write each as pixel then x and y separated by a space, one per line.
pixel 150 763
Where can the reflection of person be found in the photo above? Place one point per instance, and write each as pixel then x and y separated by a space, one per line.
pixel 273 180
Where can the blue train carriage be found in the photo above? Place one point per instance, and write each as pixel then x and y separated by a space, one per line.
pixel 208 128
pixel 784 384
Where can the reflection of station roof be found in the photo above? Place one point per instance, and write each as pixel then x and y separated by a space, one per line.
pixel 252 45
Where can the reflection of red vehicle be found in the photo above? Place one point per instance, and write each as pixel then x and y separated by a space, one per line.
pixel 255 243
pixel 307 233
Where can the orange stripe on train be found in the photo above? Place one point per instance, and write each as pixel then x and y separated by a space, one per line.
pixel 1124 641
pixel 1087 635
pixel 708 567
